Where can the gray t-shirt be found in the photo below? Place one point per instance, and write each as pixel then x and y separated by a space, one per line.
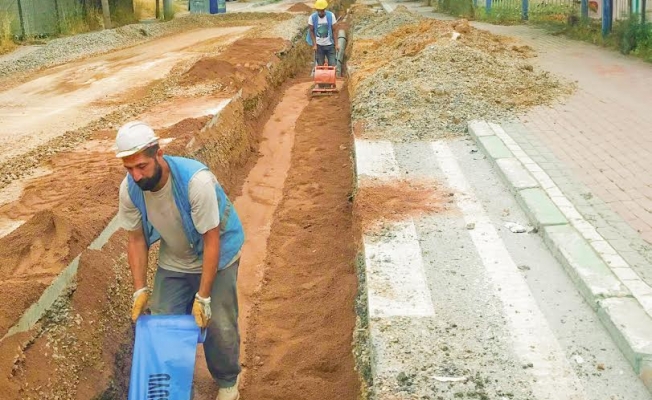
pixel 322 30
pixel 175 253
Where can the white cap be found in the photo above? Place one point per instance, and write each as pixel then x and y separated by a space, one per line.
pixel 133 137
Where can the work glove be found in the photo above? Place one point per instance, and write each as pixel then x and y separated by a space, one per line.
pixel 140 302
pixel 201 309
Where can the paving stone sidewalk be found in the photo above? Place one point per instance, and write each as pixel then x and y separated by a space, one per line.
pixel 608 283
pixel 581 170
pixel 596 144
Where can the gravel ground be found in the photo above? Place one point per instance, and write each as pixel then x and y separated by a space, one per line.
pixel 373 25
pixel 63 50
pixel 440 82
pixel 288 29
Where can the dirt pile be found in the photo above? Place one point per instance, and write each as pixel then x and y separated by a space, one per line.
pixel 300 347
pixel 67 49
pixel 382 202
pixel 63 212
pixel 210 68
pixel 462 26
pixel 368 24
pixel 441 78
pixel 243 65
pixel 300 7
pixel 81 341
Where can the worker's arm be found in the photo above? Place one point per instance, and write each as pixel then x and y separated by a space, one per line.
pixel 335 40
pixel 210 263
pixel 311 29
pixel 137 257
pixel 205 212
pixel 314 39
pixel 137 251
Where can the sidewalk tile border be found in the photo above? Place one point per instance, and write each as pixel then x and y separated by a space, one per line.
pixel 588 258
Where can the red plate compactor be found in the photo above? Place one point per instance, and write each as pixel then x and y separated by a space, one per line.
pixel 325 80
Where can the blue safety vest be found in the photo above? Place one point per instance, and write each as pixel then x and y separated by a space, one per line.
pixel 315 19
pixel 182 171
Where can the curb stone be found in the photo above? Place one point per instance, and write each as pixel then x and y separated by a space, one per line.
pixel 628 323
pixel 538 206
pixel 591 275
pixel 617 314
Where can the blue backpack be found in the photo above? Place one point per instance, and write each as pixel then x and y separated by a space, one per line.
pixel 315 18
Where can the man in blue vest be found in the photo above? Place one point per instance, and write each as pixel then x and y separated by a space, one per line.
pixel 179 202
pixel 321 27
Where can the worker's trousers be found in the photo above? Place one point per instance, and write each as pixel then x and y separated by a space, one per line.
pixel 174 293
pixel 324 52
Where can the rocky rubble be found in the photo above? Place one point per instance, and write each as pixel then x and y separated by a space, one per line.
pixel 372 25
pixel 427 78
pixel 287 29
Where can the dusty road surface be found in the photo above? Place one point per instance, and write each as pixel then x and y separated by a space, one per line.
pixel 70 96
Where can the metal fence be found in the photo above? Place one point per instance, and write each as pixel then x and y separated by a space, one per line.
pixel 29 18
pixel 560 9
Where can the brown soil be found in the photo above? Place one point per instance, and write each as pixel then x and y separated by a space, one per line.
pixel 409 40
pixel 387 202
pixel 209 69
pixel 65 211
pixel 239 66
pixel 462 26
pixel 82 346
pixel 300 7
pixel 299 345
pixel 260 196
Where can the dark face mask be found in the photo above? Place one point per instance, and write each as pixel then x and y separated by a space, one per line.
pixel 150 183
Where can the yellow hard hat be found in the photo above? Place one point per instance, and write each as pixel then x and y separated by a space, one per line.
pixel 320 5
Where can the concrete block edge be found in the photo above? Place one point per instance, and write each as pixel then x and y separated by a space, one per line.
pixel 640 360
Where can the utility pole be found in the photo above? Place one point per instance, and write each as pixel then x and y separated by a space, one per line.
pixel 168 10
pixel 22 19
pixel 107 14
pixel 56 9
pixel 607 16
pixel 643 10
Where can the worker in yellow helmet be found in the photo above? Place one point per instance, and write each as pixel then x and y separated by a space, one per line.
pixel 322 27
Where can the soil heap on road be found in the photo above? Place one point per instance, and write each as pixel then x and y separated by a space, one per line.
pixel 433 76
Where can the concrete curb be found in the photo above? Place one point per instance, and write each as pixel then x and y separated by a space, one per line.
pixel 59 285
pixel 599 273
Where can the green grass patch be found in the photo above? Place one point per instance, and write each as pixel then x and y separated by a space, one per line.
pixel 629 36
pixel 457 8
pixel 7 43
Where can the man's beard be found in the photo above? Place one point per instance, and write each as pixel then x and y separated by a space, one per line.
pixel 148 184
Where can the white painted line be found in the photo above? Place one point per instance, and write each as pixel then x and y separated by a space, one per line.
pixel 396 281
pixel 585 228
pixel 375 159
pixel 533 340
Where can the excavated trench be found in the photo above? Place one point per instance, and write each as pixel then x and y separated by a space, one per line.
pixel 284 159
